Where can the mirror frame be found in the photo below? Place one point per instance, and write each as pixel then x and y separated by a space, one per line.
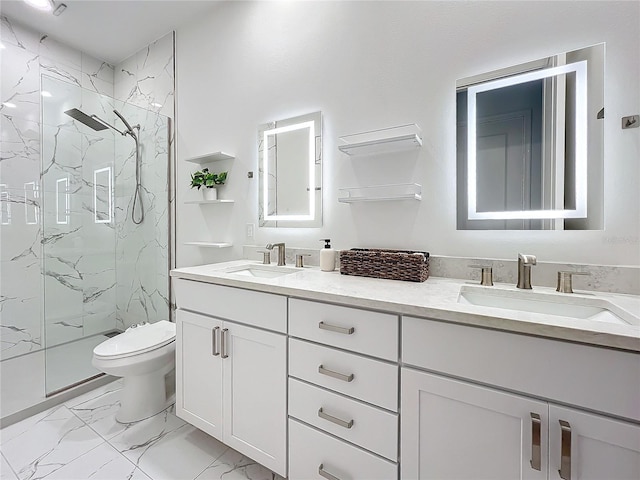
pixel 580 69
pixel 313 218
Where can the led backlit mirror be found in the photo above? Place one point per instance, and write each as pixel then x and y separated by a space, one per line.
pixel 530 142
pixel 290 156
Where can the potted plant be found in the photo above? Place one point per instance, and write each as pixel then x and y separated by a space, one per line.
pixel 204 178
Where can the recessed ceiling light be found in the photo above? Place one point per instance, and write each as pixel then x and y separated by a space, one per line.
pixel 10 105
pixel 44 93
pixel 157 105
pixel 46 5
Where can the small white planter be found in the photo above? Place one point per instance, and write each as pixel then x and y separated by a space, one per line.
pixel 210 193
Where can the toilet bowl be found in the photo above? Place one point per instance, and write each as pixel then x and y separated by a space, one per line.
pixel 144 356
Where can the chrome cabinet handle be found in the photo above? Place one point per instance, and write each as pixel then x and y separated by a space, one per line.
pixel 535 442
pixel 335 328
pixel 331 373
pixel 565 451
pixel 335 420
pixel 324 474
pixel 214 344
pixel 223 343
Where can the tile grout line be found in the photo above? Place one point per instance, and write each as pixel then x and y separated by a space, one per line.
pixel 214 461
pixel 160 437
pixel 106 441
pixel 9 465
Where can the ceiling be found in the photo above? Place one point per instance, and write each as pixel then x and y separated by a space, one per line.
pixel 110 30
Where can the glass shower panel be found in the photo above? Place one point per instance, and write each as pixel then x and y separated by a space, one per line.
pixel 87 191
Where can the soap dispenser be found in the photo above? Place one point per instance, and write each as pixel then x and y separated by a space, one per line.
pixel 327 256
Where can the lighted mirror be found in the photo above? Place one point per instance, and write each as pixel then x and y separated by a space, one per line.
pixel 290 156
pixel 530 145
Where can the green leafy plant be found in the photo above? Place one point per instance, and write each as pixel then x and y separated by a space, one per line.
pixel 207 179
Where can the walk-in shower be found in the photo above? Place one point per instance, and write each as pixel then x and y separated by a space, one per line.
pixel 98 124
pixel 82 263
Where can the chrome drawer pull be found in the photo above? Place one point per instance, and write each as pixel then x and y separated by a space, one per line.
pixel 335 328
pixel 223 343
pixel 324 474
pixel 565 451
pixel 214 343
pixel 339 376
pixel 535 442
pixel 335 420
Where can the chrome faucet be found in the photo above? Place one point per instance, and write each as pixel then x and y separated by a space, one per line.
pixel 525 262
pixel 280 251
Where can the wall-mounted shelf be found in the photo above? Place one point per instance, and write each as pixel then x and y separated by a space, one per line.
pixel 210 244
pixel 210 157
pixel 379 193
pixel 202 202
pixel 385 140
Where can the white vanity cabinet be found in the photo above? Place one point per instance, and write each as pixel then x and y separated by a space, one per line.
pixel 456 428
pixel 230 376
pixel 343 392
pixel 318 390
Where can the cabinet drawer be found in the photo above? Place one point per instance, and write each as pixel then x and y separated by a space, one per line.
pixel 372 381
pixel 563 371
pixel 263 310
pixel 310 450
pixel 362 331
pixel 364 425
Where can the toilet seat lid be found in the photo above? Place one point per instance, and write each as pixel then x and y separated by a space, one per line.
pixel 138 340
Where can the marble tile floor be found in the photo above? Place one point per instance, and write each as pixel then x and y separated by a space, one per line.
pixel 80 439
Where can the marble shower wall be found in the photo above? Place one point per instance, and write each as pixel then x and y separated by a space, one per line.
pixel 25 237
pixel 141 250
pixel 147 80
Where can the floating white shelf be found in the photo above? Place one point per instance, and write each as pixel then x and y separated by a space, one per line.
pixel 379 193
pixel 392 139
pixel 210 157
pixel 202 202
pixel 210 244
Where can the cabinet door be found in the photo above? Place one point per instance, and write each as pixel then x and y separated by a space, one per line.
pixel 457 430
pixel 595 447
pixel 199 371
pixel 255 392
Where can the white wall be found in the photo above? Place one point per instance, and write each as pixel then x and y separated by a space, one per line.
pixel 370 65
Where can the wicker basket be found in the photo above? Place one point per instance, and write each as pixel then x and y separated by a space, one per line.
pixel 406 265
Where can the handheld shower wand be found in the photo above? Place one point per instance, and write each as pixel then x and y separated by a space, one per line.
pixel 125 122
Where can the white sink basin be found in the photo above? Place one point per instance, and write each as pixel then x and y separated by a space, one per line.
pixel 564 305
pixel 261 271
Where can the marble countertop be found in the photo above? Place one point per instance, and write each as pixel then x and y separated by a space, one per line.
pixel 437 298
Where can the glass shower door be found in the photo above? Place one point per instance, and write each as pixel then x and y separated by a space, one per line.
pixel 79 272
pixel 101 271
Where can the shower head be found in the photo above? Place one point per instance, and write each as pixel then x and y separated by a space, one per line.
pixel 123 121
pixel 90 122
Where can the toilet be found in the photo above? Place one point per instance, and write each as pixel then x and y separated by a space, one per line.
pixel 144 355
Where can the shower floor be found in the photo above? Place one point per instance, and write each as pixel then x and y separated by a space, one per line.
pixel 26 380
pixel 70 363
